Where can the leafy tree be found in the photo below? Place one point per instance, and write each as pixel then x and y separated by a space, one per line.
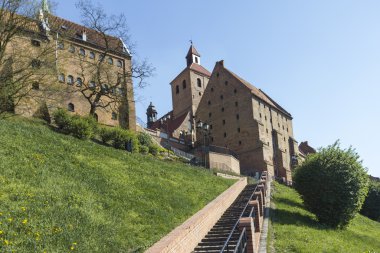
pixel 102 87
pixel 371 206
pixel 333 185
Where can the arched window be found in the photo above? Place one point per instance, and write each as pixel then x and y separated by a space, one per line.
pixel 71 107
pixel 199 82
pixel 120 63
pixel 70 79
pixel 92 85
pixel 61 78
pixel 82 52
pixel 110 61
pixel 79 82
pixel 176 89
pixel 114 116
pixel 184 84
pixel 92 55
pixel 35 86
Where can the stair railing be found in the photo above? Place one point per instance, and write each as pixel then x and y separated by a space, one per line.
pixel 226 247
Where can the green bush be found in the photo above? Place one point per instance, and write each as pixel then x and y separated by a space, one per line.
pixel 144 139
pixel 105 134
pixel 80 127
pixel 154 149
pixel 122 138
pixel 144 149
pixel 118 137
pixel 371 206
pixel 62 119
pixel 333 185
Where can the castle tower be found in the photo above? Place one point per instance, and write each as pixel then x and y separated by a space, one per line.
pixel 151 115
pixel 189 85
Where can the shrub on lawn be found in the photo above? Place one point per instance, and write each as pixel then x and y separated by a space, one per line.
pixel 144 139
pixel 105 134
pixel 144 149
pixel 80 127
pixel 333 185
pixel 124 139
pixel 371 206
pixel 62 119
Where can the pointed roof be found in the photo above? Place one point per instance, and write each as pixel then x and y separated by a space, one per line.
pixel 45 6
pixel 192 50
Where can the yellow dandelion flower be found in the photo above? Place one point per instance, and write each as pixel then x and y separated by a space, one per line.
pixel 23 209
pixel 25 221
pixel 1 232
pixel 6 242
pixel 1 213
pixel 74 243
pixel 10 219
pixel 72 248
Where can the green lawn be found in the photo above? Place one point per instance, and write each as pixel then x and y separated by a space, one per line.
pixel 61 194
pixel 293 229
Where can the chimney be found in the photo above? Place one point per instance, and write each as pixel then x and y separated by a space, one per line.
pixel 221 62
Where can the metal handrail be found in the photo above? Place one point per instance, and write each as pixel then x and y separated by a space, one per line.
pixel 237 222
pixel 242 242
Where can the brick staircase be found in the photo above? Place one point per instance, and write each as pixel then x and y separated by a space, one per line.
pixel 239 228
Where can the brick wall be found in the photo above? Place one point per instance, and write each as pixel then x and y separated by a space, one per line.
pixel 186 237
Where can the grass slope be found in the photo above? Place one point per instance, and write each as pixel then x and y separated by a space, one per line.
pixel 294 229
pixel 61 194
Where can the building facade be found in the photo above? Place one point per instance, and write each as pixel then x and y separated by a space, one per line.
pixel 240 118
pixel 83 71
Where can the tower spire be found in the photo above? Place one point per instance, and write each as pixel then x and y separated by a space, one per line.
pixel 193 56
pixel 45 6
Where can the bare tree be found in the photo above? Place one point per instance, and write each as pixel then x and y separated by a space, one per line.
pixel 100 85
pixel 25 64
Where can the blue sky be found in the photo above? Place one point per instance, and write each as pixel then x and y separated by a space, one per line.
pixel 319 59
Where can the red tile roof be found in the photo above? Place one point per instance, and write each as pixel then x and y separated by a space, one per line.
pixel 93 37
pixel 198 68
pixel 170 125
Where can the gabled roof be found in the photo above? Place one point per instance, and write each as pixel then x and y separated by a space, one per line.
pixel 73 30
pixel 192 51
pixel 259 93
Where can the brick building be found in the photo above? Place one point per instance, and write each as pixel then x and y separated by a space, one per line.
pixel 83 63
pixel 240 117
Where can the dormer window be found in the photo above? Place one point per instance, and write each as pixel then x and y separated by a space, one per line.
pixel 92 85
pixel 120 63
pixel 92 55
pixel 110 61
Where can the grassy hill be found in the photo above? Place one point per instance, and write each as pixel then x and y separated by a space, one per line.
pixel 294 229
pixel 61 194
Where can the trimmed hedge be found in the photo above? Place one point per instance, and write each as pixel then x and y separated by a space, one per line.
pixel 333 185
